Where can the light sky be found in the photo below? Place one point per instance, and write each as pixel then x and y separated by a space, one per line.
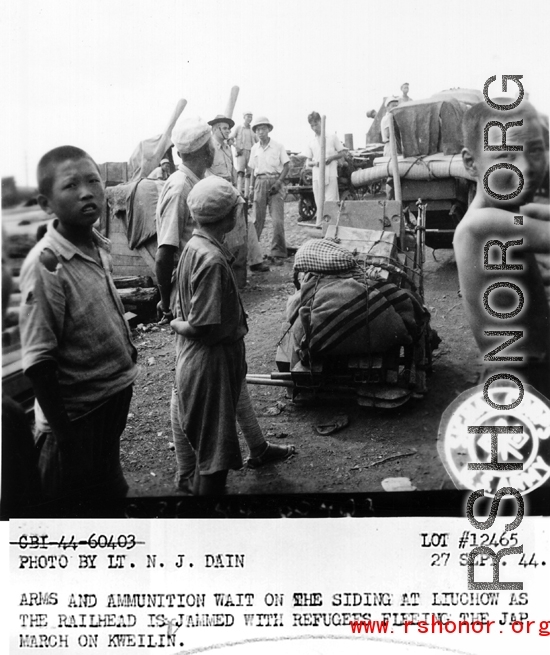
pixel 104 74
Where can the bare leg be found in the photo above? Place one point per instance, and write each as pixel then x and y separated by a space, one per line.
pixel 261 451
pixel 185 455
pixel 248 422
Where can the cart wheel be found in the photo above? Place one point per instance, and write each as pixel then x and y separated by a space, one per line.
pixel 307 208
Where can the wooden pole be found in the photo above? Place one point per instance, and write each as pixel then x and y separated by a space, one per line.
pixel 323 156
pixel 394 163
pixel 230 107
pixel 165 140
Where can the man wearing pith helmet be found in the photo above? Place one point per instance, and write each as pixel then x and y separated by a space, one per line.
pixel 210 359
pixel 269 164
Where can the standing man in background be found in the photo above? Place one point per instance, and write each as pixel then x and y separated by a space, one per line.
pixel 334 151
pixel 269 164
pixel 242 241
pixel 222 166
pixel 244 138
pixel 404 93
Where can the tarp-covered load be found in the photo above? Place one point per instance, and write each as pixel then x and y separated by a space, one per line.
pixel 465 97
pixel 429 126
pixel 346 308
pixel 339 315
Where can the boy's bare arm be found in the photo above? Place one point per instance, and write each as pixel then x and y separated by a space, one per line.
pixel 185 329
pixel 48 393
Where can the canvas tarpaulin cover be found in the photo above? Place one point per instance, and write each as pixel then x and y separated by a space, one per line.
pixel 427 126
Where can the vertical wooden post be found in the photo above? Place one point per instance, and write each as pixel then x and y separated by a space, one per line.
pixel 323 156
pixel 348 141
pixel 394 162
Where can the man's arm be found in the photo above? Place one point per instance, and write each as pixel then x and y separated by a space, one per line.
pixel 236 135
pixel 280 180
pixel 164 266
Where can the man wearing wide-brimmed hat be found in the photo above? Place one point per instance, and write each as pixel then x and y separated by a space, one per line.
pixel 241 241
pixel 223 157
pixel 269 164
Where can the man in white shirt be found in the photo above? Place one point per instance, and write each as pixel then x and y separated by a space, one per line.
pixel 334 151
pixel 269 164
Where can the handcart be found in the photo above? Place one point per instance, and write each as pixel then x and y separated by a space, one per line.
pixel 362 330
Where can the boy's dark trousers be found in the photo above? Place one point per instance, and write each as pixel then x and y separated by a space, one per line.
pixel 88 466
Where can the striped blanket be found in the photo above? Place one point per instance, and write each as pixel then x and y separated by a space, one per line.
pixel 339 315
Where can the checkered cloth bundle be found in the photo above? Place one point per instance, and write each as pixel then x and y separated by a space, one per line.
pixel 323 256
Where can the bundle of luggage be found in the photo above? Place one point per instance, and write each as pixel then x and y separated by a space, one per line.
pixel 353 304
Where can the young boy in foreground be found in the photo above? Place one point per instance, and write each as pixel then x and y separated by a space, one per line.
pixel 489 219
pixel 76 344
pixel 210 352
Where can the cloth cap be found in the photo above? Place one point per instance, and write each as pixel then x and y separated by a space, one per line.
pixel 261 120
pixel 391 99
pixel 220 118
pixel 247 113
pixel 190 134
pixel 165 161
pixel 212 199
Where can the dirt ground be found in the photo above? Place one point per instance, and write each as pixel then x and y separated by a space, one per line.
pixel 376 444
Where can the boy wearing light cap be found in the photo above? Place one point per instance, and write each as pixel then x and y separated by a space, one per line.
pixel 210 353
